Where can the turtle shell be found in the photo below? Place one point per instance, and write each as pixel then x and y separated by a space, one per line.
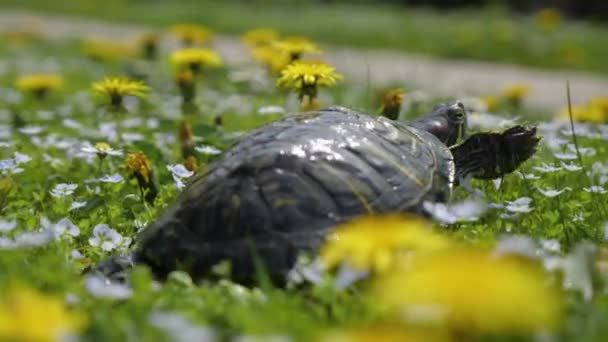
pixel 282 187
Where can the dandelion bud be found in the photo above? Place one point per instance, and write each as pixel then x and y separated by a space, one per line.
pixel 139 167
pixel 391 103
pixel 185 139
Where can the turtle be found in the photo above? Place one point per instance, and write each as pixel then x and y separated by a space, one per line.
pixel 280 189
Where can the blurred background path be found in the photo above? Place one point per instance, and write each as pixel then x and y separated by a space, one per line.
pixel 380 67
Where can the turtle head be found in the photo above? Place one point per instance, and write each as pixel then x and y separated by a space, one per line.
pixel 493 155
pixel 448 122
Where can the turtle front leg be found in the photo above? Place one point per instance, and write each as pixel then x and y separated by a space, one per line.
pixel 493 155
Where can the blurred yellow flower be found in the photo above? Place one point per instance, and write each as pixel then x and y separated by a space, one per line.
pixel 39 84
pixel 516 92
pixel 275 59
pixel 118 87
pixel 385 333
pixel 195 58
pixel 472 290
pixel 303 74
pixel 295 46
pixel 596 111
pixel 28 315
pixel 375 243
pixel 490 102
pixel 391 103
pixel 139 166
pixel 260 36
pixel 191 34
pixel 104 50
pixel 548 19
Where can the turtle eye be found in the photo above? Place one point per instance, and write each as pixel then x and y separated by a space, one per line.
pixel 456 112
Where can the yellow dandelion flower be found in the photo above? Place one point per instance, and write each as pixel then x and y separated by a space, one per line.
pixel 385 333
pixel 472 290
pixel 586 113
pixel 39 84
pixel 601 103
pixel 191 34
pixel 296 46
pixel 118 87
pixel 375 242
pixel 275 59
pixel 490 102
pixel 195 58
pixel 260 36
pixel 139 166
pixel 306 77
pixel 28 315
pixel 516 92
pixel 391 103
pixel 105 50
pixel 548 19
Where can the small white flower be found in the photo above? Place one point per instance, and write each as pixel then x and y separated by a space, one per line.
pixel 520 205
pixel 54 162
pixel 77 205
pixel 528 176
pixel 550 245
pixel 180 329
pixel 7 225
pixel 105 237
pixel 578 217
pixel 552 192
pixel 62 228
pixel 206 149
pixel 516 244
pixel 570 167
pixel 62 190
pixel 101 149
pixel 271 110
pixel 21 158
pixel 101 287
pixel 467 210
pixel 72 124
pixel 565 156
pixel 131 137
pixel 114 178
pixel 180 171
pixel 545 168
pixel 595 189
pixel 8 166
pixel 76 255
pixel 31 130
pixel 584 151
pixel 28 239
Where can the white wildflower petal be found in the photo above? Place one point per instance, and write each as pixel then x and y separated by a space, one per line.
pixel 8 166
pixel 565 156
pixel 520 205
pixel 552 192
pixel 114 178
pixel 28 239
pixel 21 158
pixel 206 149
pixel 180 171
pixel 550 245
pixel 105 237
pixel 467 210
pixel 584 151
pixel 7 225
pixel 65 225
pixel 62 190
pixel 180 329
pixel 545 168
pixel 31 130
pixel 595 189
pixel 527 176
pixel 77 205
pixel 348 275
pixel 570 167
pixel 76 255
pixel 271 110
pixel 516 244
pixel 100 287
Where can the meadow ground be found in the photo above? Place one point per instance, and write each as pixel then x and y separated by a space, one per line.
pixel 526 260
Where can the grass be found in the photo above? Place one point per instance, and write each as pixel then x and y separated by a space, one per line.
pixel 490 34
pixel 222 307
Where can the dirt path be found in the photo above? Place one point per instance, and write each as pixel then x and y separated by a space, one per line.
pixel 440 77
